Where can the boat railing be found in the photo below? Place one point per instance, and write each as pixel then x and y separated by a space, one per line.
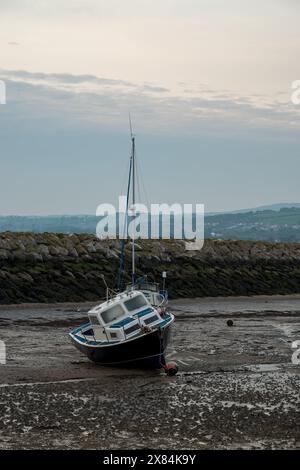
pixel 143 285
pixel 164 294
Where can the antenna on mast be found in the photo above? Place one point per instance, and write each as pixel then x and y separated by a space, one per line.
pixel 130 126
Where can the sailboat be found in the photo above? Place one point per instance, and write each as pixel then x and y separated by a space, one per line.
pixel 132 326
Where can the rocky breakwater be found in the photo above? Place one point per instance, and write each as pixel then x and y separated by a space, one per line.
pixel 59 268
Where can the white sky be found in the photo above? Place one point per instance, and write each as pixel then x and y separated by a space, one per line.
pixel 247 46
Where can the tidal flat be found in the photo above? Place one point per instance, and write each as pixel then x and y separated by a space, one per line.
pixel 237 387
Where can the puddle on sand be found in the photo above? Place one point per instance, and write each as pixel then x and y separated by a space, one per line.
pixel 264 367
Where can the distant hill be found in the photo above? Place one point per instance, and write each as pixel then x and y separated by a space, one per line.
pixel 275 223
pixel 272 207
pixel 281 225
pixel 50 223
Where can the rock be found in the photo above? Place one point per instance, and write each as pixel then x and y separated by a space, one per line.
pixel 42 250
pixel 87 257
pixel 68 267
pixel 53 251
pixel 3 244
pixel 34 257
pixel 91 248
pixel 111 254
pixel 4 254
pixel 17 246
pixel 81 250
pixel 73 253
pixel 19 255
pixel 68 273
pixel 63 252
pixel 138 247
pixel 25 277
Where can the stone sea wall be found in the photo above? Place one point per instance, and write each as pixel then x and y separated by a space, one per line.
pixel 60 268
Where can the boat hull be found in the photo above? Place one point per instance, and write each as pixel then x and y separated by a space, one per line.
pixel 146 351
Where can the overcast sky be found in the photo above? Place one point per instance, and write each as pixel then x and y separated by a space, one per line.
pixel 207 82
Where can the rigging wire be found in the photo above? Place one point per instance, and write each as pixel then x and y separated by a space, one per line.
pixel 142 182
pixel 122 257
pixel 124 177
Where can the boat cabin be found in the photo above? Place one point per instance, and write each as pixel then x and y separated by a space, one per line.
pixel 123 317
pixel 151 290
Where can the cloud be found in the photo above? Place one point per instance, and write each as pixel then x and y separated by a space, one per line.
pixel 68 100
pixel 60 78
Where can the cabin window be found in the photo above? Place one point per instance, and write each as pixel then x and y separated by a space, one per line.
pixel 94 319
pixel 112 313
pixel 113 335
pixel 135 302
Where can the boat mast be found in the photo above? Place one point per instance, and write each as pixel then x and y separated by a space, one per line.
pixel 131 181
pixel 133 197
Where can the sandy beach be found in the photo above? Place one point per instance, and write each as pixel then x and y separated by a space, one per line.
pixel 236 387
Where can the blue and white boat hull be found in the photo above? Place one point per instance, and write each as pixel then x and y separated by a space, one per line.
pixel 144 350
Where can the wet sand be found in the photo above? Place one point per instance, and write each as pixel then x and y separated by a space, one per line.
pixel 236 388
